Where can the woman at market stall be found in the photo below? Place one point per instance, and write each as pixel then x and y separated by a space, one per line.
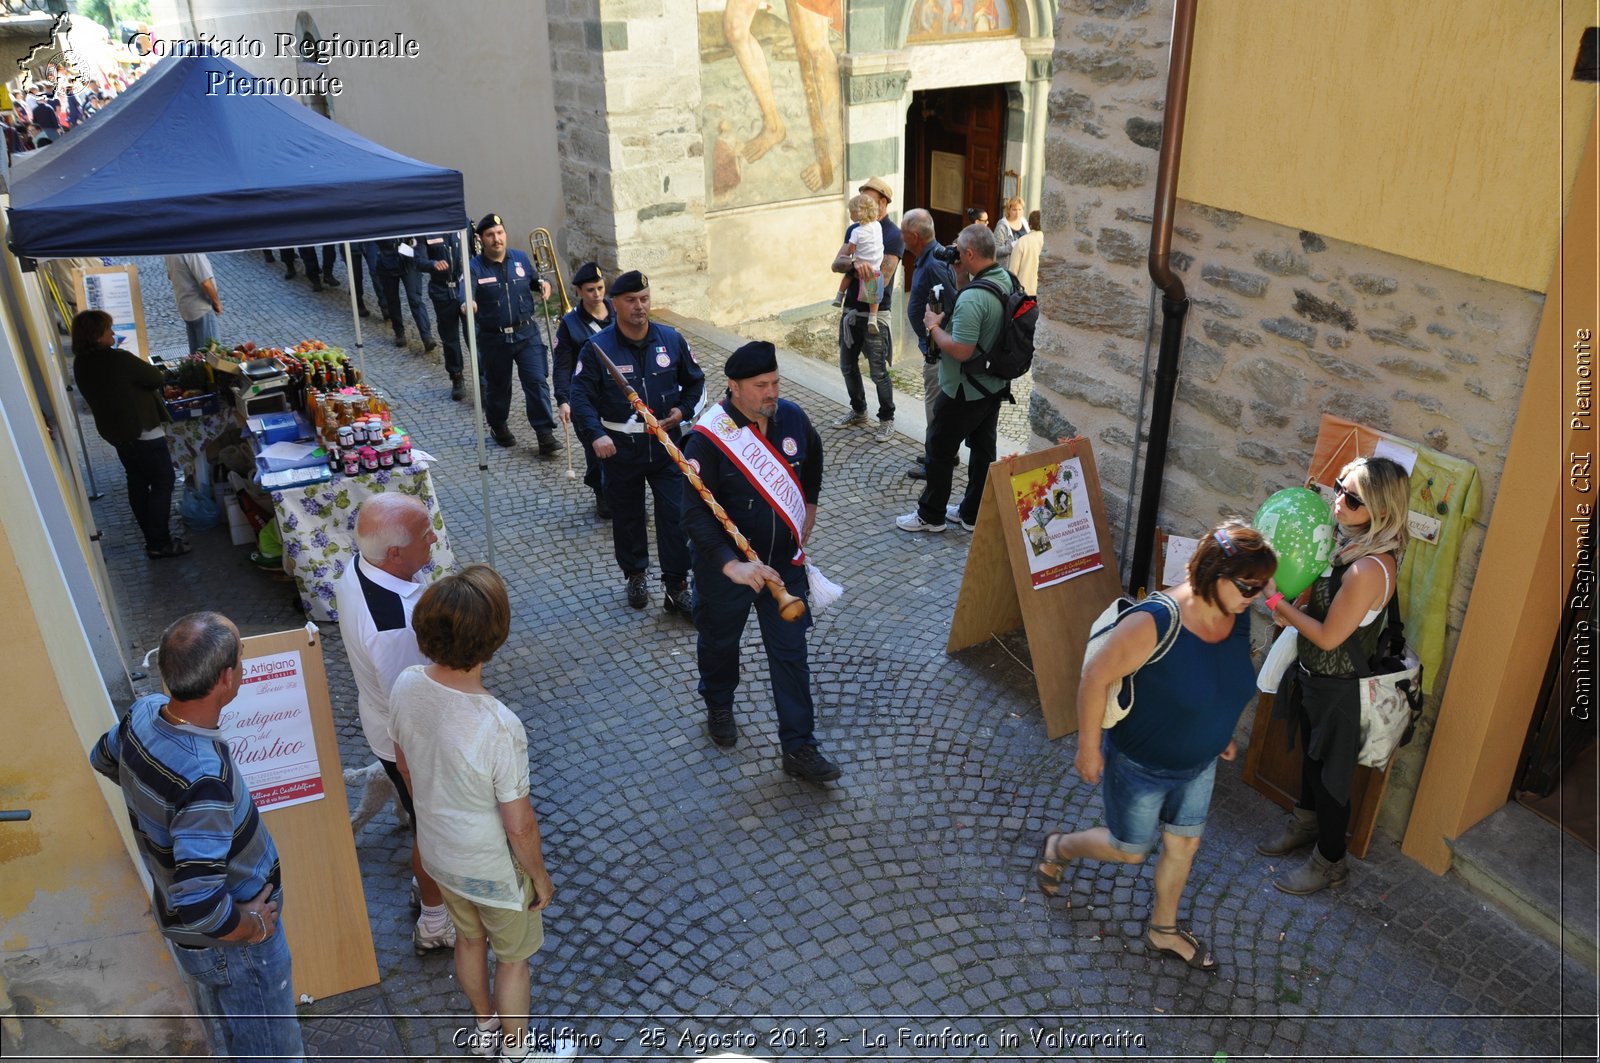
pixel 1157 767
pixel 124 394
pixel 1338 619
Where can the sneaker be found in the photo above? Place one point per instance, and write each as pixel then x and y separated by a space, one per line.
pixel 808 763
pixel 913 522
pixel 503 436
pixel 678 598
pixel 548 443
pixel 885 431
pixel 424 942
pixel 458 388
pixel 952 515
pixel 638 592
pixel 484 1041
pixel 850 419
pixel 838 297
pixel 545 1042
pixel 721 726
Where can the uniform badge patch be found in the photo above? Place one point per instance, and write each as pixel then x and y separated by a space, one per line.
pixel 694 463
pixel 520 273
pixel 625 369
pixel 790 447
pixel 663 359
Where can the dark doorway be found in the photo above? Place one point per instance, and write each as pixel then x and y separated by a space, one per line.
pixel 955 154
pixel 1557 777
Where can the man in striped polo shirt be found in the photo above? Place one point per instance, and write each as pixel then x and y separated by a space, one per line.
pixel 217 883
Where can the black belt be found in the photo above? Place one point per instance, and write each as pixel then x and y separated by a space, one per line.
pixel 510 330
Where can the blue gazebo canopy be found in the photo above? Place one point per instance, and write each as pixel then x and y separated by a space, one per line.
pixel 179 164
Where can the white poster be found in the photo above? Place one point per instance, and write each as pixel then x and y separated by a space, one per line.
pixel 268 730
pixel 112 291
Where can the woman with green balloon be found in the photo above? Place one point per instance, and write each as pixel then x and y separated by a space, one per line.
pixel 1322 701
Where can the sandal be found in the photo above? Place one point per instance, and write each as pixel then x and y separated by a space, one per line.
pixel 1050 884
pixel 1196 959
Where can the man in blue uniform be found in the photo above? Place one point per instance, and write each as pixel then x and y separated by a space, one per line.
pixel 398 264
pixel 503 283
pixel 443 267
pixel 774 504
pixel 657 362
pixel 592 314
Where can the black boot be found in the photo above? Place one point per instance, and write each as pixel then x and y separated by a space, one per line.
pixel 721 726
pixel 678 598
pixel 458 387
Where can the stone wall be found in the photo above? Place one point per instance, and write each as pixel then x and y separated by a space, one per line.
pixel 632 173
pixel 1284 325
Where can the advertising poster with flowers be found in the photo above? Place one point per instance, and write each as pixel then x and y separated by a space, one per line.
pixel 268 731
pixel 1057 528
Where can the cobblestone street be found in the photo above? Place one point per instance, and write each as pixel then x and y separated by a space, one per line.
pixel 889 915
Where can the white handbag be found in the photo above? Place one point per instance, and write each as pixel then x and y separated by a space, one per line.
pixel 1120 699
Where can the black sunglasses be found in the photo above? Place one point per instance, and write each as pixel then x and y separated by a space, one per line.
pixel 1249 590
pixel 1349 496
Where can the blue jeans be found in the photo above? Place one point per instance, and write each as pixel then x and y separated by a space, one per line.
pixel 202 331
pixel 1139 798
pixel 721 608
pixel 248 988
pixel 854 341
pixel 495 359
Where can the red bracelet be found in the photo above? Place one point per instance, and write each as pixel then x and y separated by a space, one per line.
pixel 1272 602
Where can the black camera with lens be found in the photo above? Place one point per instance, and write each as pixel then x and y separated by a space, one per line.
pixel 947 254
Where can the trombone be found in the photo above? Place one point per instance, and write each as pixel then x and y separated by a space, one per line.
pixel 545 261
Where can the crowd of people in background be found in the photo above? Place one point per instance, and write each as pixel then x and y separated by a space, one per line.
pixel 48 108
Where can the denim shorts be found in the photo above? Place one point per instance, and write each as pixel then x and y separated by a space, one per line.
pixel 1138 799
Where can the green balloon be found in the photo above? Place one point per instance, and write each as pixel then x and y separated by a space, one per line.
pixel 1299 525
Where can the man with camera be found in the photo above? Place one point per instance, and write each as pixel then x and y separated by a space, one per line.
pixel 967 408
pixel 932 284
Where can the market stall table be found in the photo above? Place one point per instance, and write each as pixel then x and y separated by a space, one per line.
pixel 317 524
pixel 188 438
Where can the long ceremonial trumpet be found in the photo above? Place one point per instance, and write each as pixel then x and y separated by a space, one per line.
pixel 789 607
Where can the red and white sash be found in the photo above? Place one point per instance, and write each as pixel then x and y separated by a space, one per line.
pixel 755 456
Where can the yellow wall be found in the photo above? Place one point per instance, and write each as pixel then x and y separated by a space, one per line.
pixel 75 927
pixel 1431 129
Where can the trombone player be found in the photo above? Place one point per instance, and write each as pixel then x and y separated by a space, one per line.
pixel 501 284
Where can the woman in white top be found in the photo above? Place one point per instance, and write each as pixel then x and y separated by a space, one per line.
pixel 1371 505
pixel 1009 229
pixel 464 756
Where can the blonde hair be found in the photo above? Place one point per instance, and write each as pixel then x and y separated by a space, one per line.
pixel 1384 488
pixel 866 206
pixel 1014 201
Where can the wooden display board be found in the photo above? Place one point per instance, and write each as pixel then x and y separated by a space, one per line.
pixel 998 593
pixel 115 289
pixel 325 908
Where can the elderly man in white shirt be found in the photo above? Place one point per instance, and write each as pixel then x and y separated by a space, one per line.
pixel 376 593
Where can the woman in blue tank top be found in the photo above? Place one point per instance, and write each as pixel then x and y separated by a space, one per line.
pixel 1157 766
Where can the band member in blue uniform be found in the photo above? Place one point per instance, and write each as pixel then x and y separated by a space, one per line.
pixel 503 283
pixel 657 362
pixel 593 313
pixel 443 268
pixel 762 460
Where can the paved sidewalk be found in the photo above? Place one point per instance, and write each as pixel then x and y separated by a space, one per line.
pixel 892 915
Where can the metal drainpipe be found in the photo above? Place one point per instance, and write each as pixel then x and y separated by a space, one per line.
pixel 1174 301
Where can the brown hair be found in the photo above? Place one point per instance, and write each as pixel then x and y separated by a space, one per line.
pixel 1231 550
pixel 87 328
pixel 461 620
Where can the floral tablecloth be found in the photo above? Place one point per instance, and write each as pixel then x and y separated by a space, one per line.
pixel 318 524
pixel 188 437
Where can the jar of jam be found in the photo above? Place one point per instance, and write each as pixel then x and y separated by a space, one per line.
pixel 386 456
pixel 369 459
pixel 352 462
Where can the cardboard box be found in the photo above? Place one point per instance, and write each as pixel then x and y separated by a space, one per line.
pixel 238 526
